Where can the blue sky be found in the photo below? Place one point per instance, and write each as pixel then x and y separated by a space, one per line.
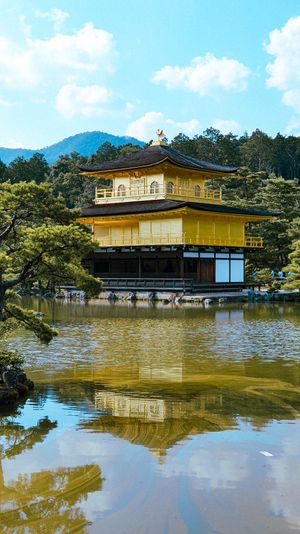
pixel 131 67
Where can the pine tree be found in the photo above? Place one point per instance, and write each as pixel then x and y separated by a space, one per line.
pixel 40 242
pixel 293 268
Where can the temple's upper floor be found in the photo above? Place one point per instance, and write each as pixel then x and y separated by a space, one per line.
pixel 156 173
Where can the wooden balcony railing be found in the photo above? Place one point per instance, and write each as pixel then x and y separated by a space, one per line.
pixel 124 194
pixel 179 239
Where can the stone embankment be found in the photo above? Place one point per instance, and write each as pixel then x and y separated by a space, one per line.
pixel 203 298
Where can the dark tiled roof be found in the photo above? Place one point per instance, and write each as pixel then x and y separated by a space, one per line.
pixel 154 155
pixel 149 206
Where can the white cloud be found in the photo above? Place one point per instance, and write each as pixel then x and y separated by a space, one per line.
pixel 16 65
pixel 187 127
pixel 56 15
pixel 62 63
pixel 145 127
pixel 211 468
pixel 292 99
pixel 284 473
pixel 226 126
pixel 85 100
pixel 284 71
pixel 293 124
pixel 89 50
pixel 205 74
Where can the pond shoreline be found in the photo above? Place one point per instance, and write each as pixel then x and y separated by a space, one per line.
pixel 181 298
pixel 201 298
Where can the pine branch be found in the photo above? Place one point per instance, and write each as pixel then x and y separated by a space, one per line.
pixel 8 229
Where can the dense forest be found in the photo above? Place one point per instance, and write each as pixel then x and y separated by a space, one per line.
pixel 268 178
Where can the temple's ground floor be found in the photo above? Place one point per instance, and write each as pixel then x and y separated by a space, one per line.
pixel 177 267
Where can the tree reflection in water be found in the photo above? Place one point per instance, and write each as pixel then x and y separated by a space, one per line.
pixel 201 389
pixel 46 501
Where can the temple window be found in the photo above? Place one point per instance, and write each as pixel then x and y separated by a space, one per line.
pixel 154 188
pixel 197 190
pixel 121 190
pixel 170 187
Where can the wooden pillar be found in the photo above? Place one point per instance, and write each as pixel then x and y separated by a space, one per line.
pixel 140 266
pixel 181 259
pixel 198 269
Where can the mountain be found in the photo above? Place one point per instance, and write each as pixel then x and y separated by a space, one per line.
pixel 85 143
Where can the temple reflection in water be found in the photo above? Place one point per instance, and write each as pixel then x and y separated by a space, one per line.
pixel 152 409
pixel 162 414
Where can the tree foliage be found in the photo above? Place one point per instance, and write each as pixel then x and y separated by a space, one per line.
pixel 2 170
pixel 34 169
pixel 293 268
pixel 66 180
pixel 40 241
pixel 258 152
pixel 262 191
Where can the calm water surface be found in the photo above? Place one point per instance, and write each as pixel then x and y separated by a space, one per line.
pixel 157 420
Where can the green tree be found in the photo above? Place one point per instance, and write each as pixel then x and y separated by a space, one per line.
pixel 206 146
pixel 282 196
pixel 76 189
pixel 259 191
pixel 240 190
pixel 257 152
pixel 211 146
pixel 229 150
pixel 105 152
pixel 17 171
pixel 126 150
pixel 40 242
pixel 65 178
pixel 2 171
pixel 21 170
pixel 38 168
pixel 293 268
pixel 294 229
pixel 280 163
pixel 182 143
pixel 293 157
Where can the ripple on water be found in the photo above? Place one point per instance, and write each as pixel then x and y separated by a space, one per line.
pixel 145 417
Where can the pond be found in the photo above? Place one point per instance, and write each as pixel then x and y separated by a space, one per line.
pixel 156 419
